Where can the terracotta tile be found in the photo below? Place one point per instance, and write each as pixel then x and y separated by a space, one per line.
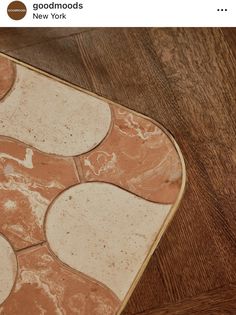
pixel 44 286
pixel 104 232
pixel 29 181
pixel 53 117
pixel 8 269
pixel 7 76
pixel 137 156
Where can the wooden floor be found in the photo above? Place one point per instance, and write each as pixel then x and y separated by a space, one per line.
pixel 185 79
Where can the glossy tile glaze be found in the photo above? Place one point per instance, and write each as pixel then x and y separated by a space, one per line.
pixel 29 181
pixel 83 196
pixel 138 156
pixel 44 286
pixel 7 76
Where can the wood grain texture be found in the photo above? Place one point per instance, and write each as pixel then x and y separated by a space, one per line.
pixel 20 38
pixel 221 301
pixel 185 79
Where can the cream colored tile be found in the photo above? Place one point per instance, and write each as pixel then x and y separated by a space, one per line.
pixel 51 116
pixel 8 268
pixel 104 232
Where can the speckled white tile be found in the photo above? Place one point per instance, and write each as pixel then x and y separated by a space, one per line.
pixel 104 232
pixel 100 212
pixel 8 268
pixel 52 116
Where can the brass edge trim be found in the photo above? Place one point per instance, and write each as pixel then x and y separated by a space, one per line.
pixel 184 175
pixel 164 227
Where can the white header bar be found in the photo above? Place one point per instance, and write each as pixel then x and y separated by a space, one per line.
pixel 115 13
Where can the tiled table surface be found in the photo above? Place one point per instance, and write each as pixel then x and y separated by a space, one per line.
pixel 185 79
pixel 86 188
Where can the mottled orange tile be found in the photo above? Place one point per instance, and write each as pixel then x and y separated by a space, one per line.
pixel 29 181
pixel 137 156
pixel 7 76
pixel 45 286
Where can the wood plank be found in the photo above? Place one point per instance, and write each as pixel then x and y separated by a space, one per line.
pixel 230 37
pixel 220 301
pixel 19 38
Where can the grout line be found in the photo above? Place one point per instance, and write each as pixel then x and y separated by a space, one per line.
pixel 29 247
pixel 109 131
pixel 80 273
pixel 63 264
pixel 78 159
pixel 79 169
pixel 79 174
pixel 174 207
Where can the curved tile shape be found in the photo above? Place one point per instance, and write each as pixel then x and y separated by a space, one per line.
pixel 29 181
pixel 7 76
pixel 45 286
pixel 137 156
pixel 52 116
pixel 8 268
pixel 104 232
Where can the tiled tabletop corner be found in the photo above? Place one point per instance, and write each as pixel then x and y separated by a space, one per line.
pixel 87 186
